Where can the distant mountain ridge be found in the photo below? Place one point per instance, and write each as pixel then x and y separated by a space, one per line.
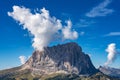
pixel 67 58
pixel 110 71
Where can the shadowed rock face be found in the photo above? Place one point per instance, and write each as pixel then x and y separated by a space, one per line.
pixel 67 58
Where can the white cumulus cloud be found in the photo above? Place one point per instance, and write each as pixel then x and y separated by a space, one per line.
pixel 22 59
pixel 67 33
pixel 100 10
pixel 112 53
pixel 42 26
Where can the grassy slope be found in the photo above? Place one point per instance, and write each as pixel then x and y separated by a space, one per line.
pixel 15 74
pixel 9 70
pixel 97 76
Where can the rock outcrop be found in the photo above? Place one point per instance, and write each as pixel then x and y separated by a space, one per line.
pixel 67 58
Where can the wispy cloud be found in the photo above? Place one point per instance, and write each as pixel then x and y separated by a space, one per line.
pixel 100 10
pixel 66 15
pixel 84 23
pixel 112 34
pixel 82 33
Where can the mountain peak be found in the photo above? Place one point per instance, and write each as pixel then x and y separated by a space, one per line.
pixel 67 58
pixel 70 45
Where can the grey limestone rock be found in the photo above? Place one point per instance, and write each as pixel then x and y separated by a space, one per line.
pixel 67 58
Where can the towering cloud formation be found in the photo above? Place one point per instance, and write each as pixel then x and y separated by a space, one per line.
pixel 22 59
pixel 42 26
pixel 112 52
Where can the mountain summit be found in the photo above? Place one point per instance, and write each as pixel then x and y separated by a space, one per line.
pixel 67 58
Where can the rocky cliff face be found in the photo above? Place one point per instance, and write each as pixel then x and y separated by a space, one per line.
pixel 67 58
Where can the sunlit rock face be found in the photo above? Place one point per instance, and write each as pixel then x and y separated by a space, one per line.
pixel 67 58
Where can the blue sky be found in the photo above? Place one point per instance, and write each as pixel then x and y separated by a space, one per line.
pixel 97 23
